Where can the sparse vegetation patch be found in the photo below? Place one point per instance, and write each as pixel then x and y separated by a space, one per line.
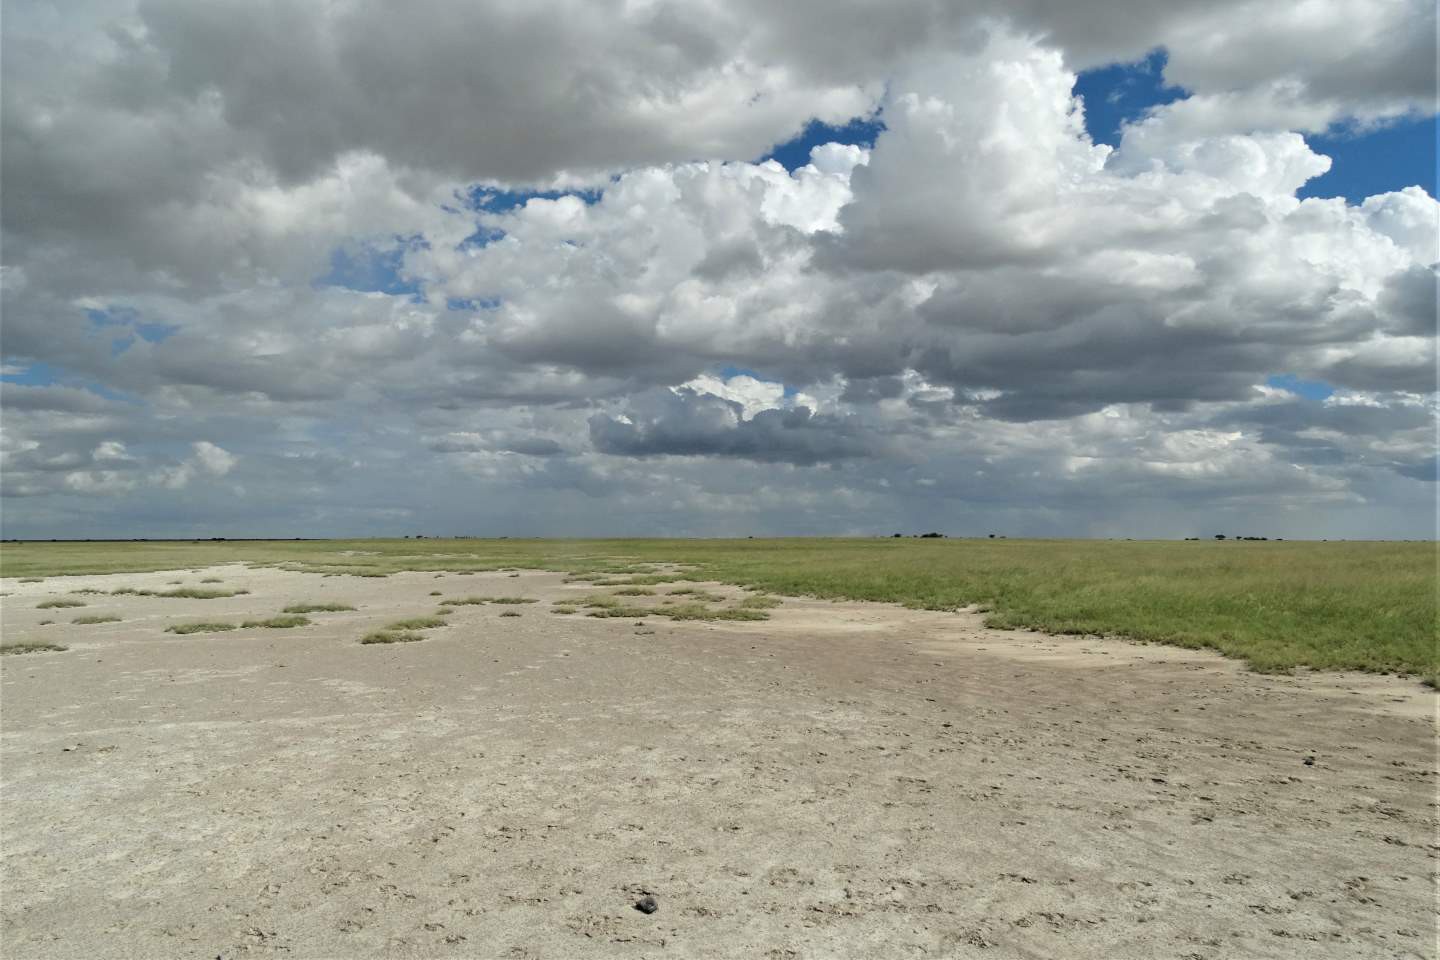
pixel 31 646
pixel 184 593
pixel 391 636
pixel 278 623
pixel 317 608
pixel 1278 605
pixel 96 619
pixel 760 601
pixel 417 623
pixel 201 627
pixel 619 611
pixel 54 604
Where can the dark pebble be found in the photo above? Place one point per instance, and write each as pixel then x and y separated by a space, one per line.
pixel 646 905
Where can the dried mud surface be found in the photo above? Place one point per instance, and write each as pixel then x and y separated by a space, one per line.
pixel 843 780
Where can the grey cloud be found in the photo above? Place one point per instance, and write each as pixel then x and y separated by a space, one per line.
pixel 685 423
pixel 502 441
pixel 1409 300
pixel 199 162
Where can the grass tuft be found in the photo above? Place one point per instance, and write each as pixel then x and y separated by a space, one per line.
pixel 184 593
pixel 416 623
pixel 31 646
pixel 760 601
pixel 699 611
pixel 618 611
pixel 278 623
pixel 201 627
pixel 512 600
pixel 511 613
pixel 634 592
pixel 212 580
pixel 391 636
pixel 96 619
pixel 564 609
pixel 698 595
pixel 317 607
pixel 53 604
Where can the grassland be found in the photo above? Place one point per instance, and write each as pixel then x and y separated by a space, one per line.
pixel 1277 605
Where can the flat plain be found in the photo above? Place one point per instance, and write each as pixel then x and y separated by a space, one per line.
pixel 813 774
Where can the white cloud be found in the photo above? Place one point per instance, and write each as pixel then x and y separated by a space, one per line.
pixel 1034 317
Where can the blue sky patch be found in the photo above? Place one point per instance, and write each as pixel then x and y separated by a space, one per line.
pixel 112 316
pixel 727 372
pixel 472 304
pixel 369 269
pixel 1308 389
pixel 39 374
pixel 494 200
pixel 34 374
pixel 1364 163
pixel 482 237
pixel 156 332
pixel 794 154
pixel 1123 93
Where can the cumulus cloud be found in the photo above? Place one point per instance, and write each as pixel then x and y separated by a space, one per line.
pixel 686 422
pixel 983 311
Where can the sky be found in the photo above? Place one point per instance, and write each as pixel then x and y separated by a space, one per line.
pixel 1110 268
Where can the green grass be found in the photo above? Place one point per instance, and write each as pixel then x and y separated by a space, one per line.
pixel 510 613
pixel 31 646
pixel 212 580
pixel 317 608
pixel 760 601
pixel 699 611
pixel 695 593
pixel 96 619
pixel 417 623
pixel 391 636
pixel 467 601
pixel 201 627
pixel 278 623
pixel 633 592
pixel 56 604
pixel 512 600
pixel 1277 605
pixel 563 609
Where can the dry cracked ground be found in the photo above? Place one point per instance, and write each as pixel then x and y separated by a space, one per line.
pixel 841 780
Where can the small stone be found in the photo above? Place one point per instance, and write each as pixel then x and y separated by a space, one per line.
pixel 646 905
pixel 1309 761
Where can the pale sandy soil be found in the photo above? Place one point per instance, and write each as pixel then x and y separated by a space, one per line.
pixel 845 780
